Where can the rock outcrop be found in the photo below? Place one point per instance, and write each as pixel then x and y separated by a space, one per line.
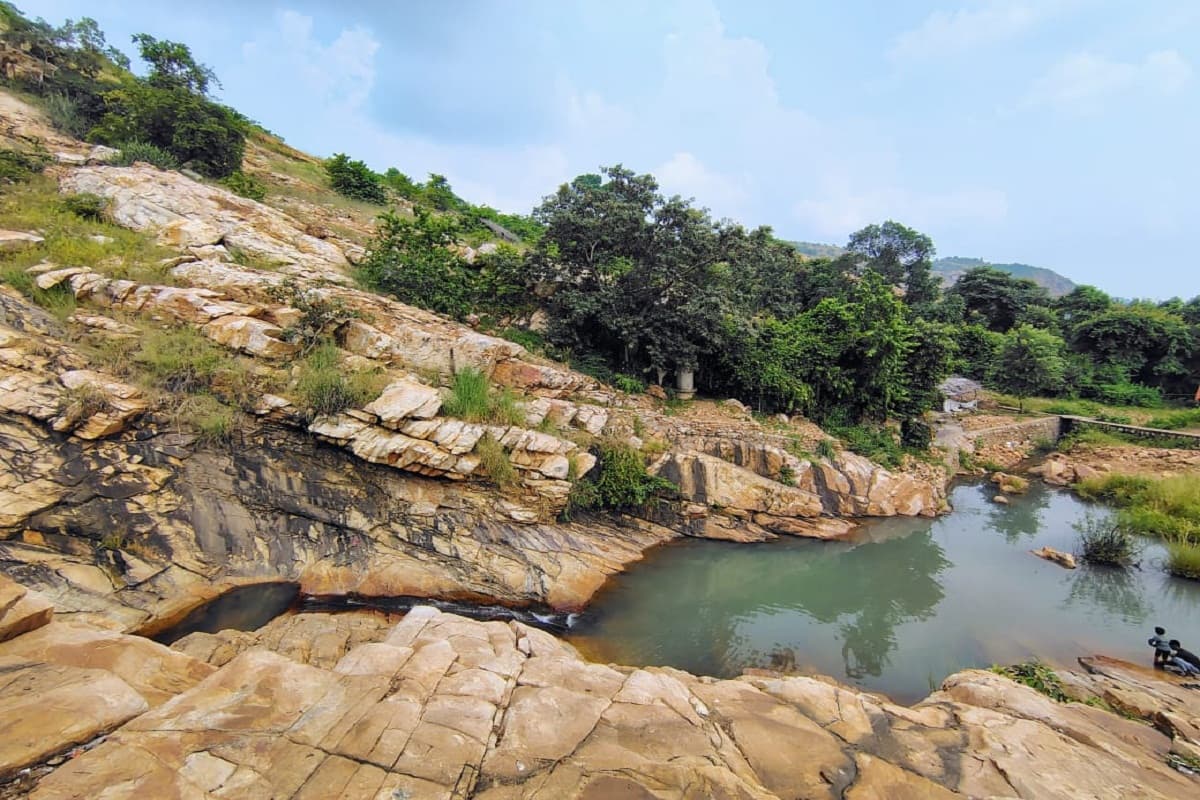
pixel 444 707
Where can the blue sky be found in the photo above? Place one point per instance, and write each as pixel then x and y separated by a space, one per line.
pixel 1061 133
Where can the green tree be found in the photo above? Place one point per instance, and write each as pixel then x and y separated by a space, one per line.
pixel 172 65
pixel 1031 362
pixel 354 179
pixel 901 255
pixel 996 299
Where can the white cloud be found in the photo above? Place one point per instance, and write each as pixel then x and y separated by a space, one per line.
pixel 687 176
pixel 840 209
pixel 1082 82
pixel 950 32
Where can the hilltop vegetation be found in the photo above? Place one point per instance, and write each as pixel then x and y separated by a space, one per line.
pixel 637 287
pixel 951 269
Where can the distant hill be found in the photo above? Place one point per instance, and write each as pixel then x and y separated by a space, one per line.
pixel 815 250
pixel 951 269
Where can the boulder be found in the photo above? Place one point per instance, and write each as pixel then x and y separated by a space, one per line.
pixel 405 399
pixel 21 610
pixel 1057 556
pixel 11 241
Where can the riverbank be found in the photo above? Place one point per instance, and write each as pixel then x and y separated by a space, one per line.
pixel 443 707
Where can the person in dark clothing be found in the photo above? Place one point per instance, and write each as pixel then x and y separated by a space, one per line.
pixel 1162 648
pixel 1177 651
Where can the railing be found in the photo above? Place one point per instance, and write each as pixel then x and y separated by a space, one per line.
pixel 1070 423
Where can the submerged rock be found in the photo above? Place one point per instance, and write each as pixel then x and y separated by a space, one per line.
pixel 1057 556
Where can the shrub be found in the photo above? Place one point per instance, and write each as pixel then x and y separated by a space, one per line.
pixel 354 179
pixel 826 449
pixel 1183 558
pixel 875 442
pixel 319 316
pixel 132 152
pixel 629 384
pixel 1038 676
pixel 1152 506
pixel 1130 394
pixel 65 115
pixel 621 481
pixel 324 389
pixel 494 462
pixel 16 166
pixel 246 185
pixel 1104 541
pixel 532 341
pixel 787 475
pixel 1176 420
pixel 416 260
pixel 194 130
pixel 86 206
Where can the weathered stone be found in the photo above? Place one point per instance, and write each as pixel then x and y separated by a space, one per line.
pixel 11 241
pixel 1057 556
pixel 405 399
pixel 21 610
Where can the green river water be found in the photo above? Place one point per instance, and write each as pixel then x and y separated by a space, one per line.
pixel 897 608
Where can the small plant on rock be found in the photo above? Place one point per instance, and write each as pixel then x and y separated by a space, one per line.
pixel 133 152
pixel 245 185
pixel 86 206
pixel 494 462
pixel 320 316
pixel 1036 675
pixel 621 481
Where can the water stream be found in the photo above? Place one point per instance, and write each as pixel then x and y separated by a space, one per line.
pixel 896 609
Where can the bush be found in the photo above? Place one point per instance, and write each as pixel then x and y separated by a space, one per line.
pixel 324 389
pixel 16 166
pixel 246 185
pixel 826 449
pixel 876 442
pixel 354 179
pixel 621 482
pixel 194 130
pixel 494 462
pixel 208 416
pixel 65 115
pixel 1176 420
pixel 1183 558
pixel 1129 394
pixel 1036 675
pixel 1151 506
pixel 416 260
pixel 319 316
pixel 87 206
pixel 132 152
pixel 532 341
pixel 1104 541
pixel 629 384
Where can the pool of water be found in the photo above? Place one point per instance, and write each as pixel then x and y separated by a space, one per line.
pixel 245 608
pixel 897 608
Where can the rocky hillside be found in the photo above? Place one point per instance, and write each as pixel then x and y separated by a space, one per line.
pixel 951 269
pixel 163 439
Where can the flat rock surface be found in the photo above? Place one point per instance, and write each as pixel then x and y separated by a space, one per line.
pixel 446 707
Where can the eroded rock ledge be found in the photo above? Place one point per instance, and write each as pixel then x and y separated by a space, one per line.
pixel 444 707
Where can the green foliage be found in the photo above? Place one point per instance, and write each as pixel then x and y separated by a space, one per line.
pixel 354 179
pixel 826 449
pixel 1175 420
pixel 473 399
pixel 1129 394
pixel 180 360
pixel 246 185
pixel 495 463
pixel 1031 361
pixel 532 341
pixel 415 260
pixel 87 206
pixel 212 420
pixel 65 115
pixel 1151 506
pixel 1038 676
pixel 1106 541
pixel 320 314
pixel 1183 558
pixel 326 389
pixel 133 152
pixel 621 481
pixel 787 475
pixel 876 442
pixel 172 66
pixel 17 166
pixel 629 384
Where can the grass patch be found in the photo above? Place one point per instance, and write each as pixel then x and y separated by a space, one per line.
pixel 494 462
pixel 133 152
pixel 212 420
pixel 58 301
pixel 180 360
pixel 1038 676
pixel 874 442
pixel 826 449
pixel 1176 420
pixel 325 389
pixel 473 399
pixel 1167 507
pixel 77 234
pixel 1183 558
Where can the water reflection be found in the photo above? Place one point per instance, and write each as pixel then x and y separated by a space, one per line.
pixel 905 604
pixel 1116 592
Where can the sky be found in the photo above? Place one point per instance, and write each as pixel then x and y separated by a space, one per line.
pixel 1059 133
